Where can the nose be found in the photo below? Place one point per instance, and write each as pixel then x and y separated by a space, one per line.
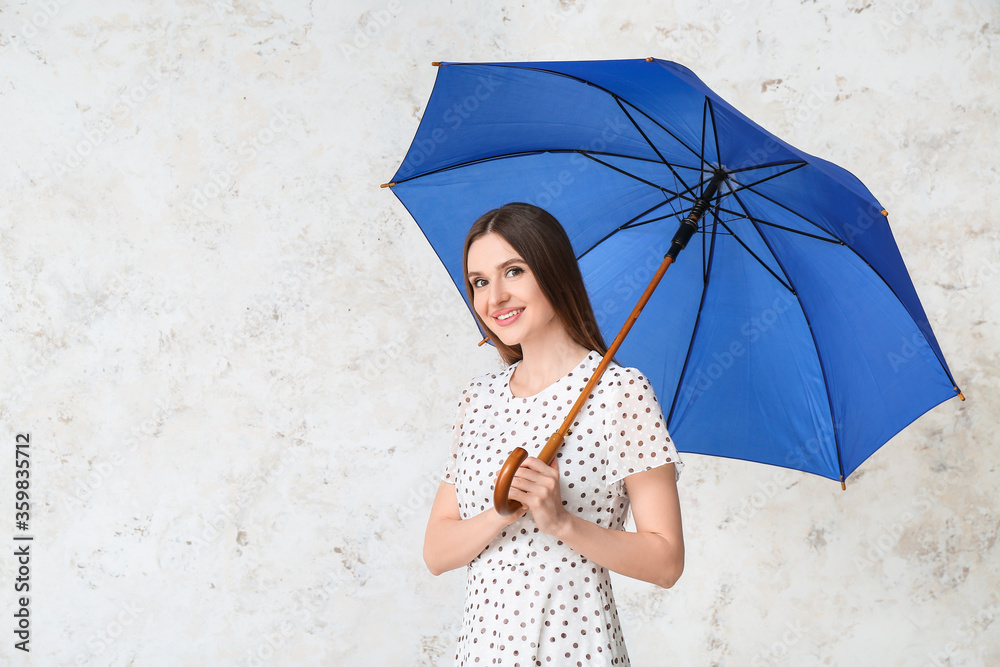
pixel 498 294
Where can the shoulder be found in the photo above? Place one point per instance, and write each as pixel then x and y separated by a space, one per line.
pixel 625 376
pixel 485 385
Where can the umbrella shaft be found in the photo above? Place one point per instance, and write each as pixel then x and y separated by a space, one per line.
pixel 689 225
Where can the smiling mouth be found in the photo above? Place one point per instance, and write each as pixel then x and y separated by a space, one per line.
pixel 509 317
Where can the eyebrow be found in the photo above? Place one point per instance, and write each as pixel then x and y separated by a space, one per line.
pixel 500 267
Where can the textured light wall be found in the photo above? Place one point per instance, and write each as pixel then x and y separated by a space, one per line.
pixel 238 359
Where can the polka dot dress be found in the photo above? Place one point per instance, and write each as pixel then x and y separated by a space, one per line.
pixel 530 599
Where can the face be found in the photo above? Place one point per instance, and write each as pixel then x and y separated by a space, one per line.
pixel 506 295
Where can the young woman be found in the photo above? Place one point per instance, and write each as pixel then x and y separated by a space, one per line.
pixel 538 589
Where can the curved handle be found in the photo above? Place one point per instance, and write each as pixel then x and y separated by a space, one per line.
pixel 504 506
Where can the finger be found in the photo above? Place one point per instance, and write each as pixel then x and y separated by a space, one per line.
pixel 526 499
pixel 533 463
pixel 532 483
pixel 531 480
pixel 538 467
pixel 536 489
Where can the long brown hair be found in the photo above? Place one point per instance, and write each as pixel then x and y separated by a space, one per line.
pixel 544 246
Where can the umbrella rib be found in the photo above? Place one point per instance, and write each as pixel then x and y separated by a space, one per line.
pixel 768 178
pixel 779 204
pixel 624 225
pixel 514 154
pixel 629 225
pixel 715 130
pixel 619 101
pixel 654 122
pixel 539 151
pixel 812 335
pixel 744 216
pixel 613 95
pixel 675 195
pixel 622 171
pixel 768 165
pixel 704 118
pixel 754 255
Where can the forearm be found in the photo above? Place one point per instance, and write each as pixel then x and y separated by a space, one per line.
pixel 450 543
pixel 643 555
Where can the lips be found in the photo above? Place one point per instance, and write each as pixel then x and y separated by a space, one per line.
pixel 507 316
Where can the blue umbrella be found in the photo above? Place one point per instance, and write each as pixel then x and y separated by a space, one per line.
pixel 789 333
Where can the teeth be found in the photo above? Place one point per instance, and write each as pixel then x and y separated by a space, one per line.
pixel 509 315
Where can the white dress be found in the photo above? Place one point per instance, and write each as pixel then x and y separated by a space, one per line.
pixel 530 599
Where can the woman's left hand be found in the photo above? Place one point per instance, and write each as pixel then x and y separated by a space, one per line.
pixel 536 486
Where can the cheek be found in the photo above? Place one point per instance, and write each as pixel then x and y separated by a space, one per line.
pixel 479 304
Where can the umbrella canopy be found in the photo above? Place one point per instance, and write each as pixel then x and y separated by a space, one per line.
pixel 787 333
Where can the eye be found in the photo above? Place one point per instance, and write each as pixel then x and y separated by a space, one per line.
pixel 514 271
pixel 478 282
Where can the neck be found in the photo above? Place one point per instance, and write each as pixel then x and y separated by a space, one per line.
pixel 541 365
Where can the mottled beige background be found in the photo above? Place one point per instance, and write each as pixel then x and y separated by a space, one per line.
pixel 238 359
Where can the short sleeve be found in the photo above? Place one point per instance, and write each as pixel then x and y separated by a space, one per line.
pixel 456 434
pixel 636 432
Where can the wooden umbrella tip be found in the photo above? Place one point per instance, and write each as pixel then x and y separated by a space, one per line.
pixel 885 213
pixel 387 185
pixel 960 395
pixel 436 63
pixel 649 60
pixel 843 484
pixel 483 341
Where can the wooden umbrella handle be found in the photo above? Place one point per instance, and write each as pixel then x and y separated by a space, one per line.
pixel 504 505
